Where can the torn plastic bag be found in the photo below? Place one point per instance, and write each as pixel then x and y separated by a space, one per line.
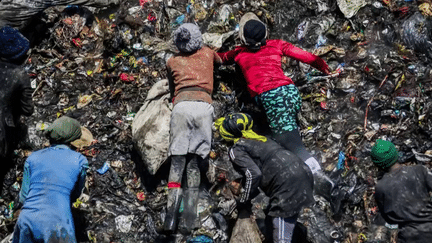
pixel 320 229
pixel 7 239
pixel 310 30
pixel 422 158
pixel 288 15
pixel 350 7
pixel 17 13
pixel 416 34
pixel 150 127
pixel 245 231
pixel 216 40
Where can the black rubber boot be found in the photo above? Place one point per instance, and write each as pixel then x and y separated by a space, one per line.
pixel 178 163
pixel 171 218
pixel 188 221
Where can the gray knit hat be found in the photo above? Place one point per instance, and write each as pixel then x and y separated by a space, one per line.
pixel 188 38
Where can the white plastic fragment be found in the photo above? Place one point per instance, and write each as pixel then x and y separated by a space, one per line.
pixel 124 223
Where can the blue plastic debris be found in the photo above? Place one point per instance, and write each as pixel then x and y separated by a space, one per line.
pixel 104 168
pixel 321 41
pixel 188 8
pixel 341 161
pixel 143 60
pixel 179 20
pixel 201 239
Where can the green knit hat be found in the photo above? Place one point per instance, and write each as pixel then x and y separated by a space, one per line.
pixel 64 130
pixel 384 154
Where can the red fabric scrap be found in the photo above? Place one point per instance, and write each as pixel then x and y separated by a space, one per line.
pixel 142 2
pixel 324 105
pixel 141 196
pixel 126 77
pixel 77 42
pixel 174 185
pixel 151 17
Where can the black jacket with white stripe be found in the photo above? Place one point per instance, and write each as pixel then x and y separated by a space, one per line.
pixel 285 179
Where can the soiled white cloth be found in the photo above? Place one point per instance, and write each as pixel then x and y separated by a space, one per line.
pixel 191 128
pixel 350 7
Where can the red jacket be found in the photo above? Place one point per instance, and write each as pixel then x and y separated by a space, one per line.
pixel 263 70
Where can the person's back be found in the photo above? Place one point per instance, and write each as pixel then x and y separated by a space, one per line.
pixel 262 162
pixel 53 175
pixel 403 194
pixel 190 76
pixel 403 198
pixel 284 175
pixel 262 69
pixel 53 178
pixel 54 172
pixel 15 100
pixel 15 92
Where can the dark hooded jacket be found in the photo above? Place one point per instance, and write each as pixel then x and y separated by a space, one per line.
pixel 281 175
pixel 15 100
pixel 403 198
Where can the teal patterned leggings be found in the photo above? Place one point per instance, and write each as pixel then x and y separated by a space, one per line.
pixel 281 106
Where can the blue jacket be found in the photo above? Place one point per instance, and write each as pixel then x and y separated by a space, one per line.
pixel 53 177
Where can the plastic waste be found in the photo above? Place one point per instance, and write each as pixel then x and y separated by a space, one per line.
pixel 350 8
pixel 379 88
pixel 104 168
pixel 124 223
pixel 416 33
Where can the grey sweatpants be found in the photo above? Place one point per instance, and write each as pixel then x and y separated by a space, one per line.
pixel 191 128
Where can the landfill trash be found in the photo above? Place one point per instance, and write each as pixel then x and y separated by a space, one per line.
pixel 201 239
pixel 350 7
pixel 124 223
pixel 416 33
pixel 245 231
pixel 150 127
pixel 216 40
pixel 104 168
pixel 7 239
pixel 99 65
pixel 17 13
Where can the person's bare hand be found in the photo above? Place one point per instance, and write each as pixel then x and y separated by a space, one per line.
pixel 327 71
pixel 214 48
pixel 235 187
pixel 16 214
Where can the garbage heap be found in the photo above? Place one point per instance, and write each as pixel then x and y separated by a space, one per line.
pixel 97 65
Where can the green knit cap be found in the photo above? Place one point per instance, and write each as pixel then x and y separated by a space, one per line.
pixel 64 130
pixel 384 154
